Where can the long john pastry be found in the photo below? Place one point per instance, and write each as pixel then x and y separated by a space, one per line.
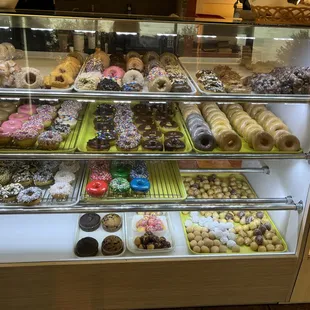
pixel 284 139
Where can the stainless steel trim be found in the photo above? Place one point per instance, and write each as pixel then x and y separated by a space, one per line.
pixel 263 98
pixel 187 205
pixel 151 207
pixel 149 156
pixel 264 169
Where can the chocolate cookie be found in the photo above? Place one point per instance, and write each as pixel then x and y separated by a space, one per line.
pixel 89 222
pixel 86 247
pixel 111 222
pixel 112 245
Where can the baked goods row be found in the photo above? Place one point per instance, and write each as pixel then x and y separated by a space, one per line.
pixel 205 232
pixel 133 72
pixel 279 80
pixel 37 126
pixel 228 125
pixel 30 183
pixel 141 127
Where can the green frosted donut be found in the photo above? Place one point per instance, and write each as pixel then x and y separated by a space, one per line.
pixel 120 172
pixel 119 186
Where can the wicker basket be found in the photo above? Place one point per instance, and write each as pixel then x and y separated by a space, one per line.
pixel 282 15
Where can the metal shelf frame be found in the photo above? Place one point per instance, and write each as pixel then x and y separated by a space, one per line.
pixel 268 204
pixel 162 98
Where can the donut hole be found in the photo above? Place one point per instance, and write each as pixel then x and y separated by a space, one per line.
pixel 205 141
pixel 161 85
pixel 30 78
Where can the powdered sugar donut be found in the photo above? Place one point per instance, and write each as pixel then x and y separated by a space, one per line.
pixel 61 190
pixel 29 78
pixel 64 176
pixel 114 72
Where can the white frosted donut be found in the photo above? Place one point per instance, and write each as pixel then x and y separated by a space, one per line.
pixel 72 166
pixel 133 76
pixel 29 78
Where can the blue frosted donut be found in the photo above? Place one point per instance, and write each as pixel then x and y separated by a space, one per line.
pixel 140 185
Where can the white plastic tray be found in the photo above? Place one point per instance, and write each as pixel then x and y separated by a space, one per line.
pixel 144 90
pixel 45 62
pixel 192 64
pixel 99 235
pixel 131 234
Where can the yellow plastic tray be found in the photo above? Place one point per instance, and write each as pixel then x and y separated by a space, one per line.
pixel 243 249
pixel 67 146
pixel 245 149
pixel 88 132
pixel 166 185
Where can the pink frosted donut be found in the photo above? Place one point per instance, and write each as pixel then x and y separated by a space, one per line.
pixel 11 126
pixel 19 116
pixel 27 109
pixel 114 72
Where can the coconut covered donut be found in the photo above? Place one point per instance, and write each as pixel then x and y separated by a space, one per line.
pixel 29 78
pixel 135 63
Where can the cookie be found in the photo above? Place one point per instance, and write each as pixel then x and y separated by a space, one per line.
pixel 112 245
pixel 89 222
pixel 86 247
pixel 111 222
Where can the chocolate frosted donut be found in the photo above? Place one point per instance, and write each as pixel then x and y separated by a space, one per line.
pixel 174 134
pixel 146 127
pixel 152 145
pixel 152 135
pixel 174 144
pixel 97 144
pixel 108 85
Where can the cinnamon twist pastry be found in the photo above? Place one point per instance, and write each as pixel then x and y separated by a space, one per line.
pixel 248 128
pixel 225 136
pixel 284 139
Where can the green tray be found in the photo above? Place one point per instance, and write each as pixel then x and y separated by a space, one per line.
pixel 245 149
pixel 166 185
pixel 88 132
pixel 67 146
pixel 243 249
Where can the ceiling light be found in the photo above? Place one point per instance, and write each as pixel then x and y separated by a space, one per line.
pixel 85 31
pixel 245 38
pixel 167 34
pixel 206 36
pixel 42 29
pixel 127 33
pixel 283 39
pixel 4 27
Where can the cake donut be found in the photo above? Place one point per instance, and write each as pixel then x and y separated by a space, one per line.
pixel 132 54
pixel 29 78
pixel 114 72
pixel 149 56
pixel 135 63
pixel 30 196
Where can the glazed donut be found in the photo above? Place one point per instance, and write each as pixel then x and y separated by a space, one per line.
pixel 149 56
pixel 135 63
pixel 168 59
pixel 132 54
pixel 96 188
pixel 160 84
pixel 119 186
pixel 104 57
pixel 229 141
pixel 276 126
pixel 29 78
pixel 287 142
pixel 114 72
pixel 140 185
pixel 262 141
pixel 256 110
pixel 133 76
pixel 263 116
pixel 9 107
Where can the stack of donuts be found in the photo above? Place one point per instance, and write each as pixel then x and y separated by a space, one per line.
pixel 284 139
pixel 198 128
pixel 22 181
pixel 256 137
pixel 118 179
pixel 225 136
pixel 30 124
pixel 64 74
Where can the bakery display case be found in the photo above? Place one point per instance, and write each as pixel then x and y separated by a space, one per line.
pixel 166 150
